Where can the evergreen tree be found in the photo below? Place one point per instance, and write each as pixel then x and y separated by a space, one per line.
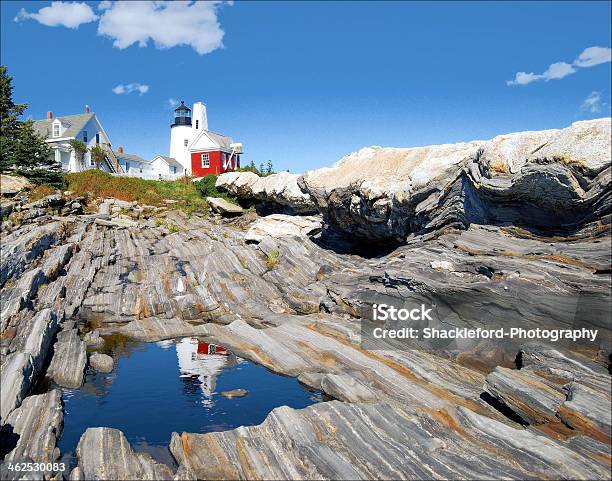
pixel 269 168
pixel 22 150
pixel 9 121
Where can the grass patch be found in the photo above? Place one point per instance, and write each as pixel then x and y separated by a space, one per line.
pixel 40 191
pixel 272 259
pixel 96 183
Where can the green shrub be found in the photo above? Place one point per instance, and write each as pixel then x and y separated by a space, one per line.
pixel 207 188
pixel 272 259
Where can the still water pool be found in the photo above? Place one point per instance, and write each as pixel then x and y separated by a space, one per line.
pixel 158 388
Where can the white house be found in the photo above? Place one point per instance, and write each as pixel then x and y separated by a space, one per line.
pixel 59 131
pixel 160 167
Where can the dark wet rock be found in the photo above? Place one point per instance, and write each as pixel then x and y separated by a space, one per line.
pixel 104 453
pixel 101 362
pixel 36 425
pixel 235 393
pixel 223 207
pixel 67 366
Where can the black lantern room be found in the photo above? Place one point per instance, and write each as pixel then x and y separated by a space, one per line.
pixel 182 115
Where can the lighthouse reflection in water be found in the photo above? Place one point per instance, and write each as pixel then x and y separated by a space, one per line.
pixel 202 362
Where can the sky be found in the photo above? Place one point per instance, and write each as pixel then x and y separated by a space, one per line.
pixel 305 83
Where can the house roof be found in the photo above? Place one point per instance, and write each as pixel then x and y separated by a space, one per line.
pixel 74 124
pixel 221 141
pixel 170 160
pixel 131 158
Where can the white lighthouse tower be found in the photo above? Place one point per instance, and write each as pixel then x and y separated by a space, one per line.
pixel 181 133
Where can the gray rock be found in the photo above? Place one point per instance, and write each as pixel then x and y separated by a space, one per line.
pixel 67 366
pixel 104 453
pixel 117 223
pixel 101 362
pixel 223 207
pixel 37 425
pixel 21 369
pixel 525 393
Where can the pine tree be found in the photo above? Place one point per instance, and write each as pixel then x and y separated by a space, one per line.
pixel 269 168
pixel 9 121
pixel 22 150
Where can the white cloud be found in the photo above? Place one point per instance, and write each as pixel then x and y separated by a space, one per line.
pixel 167 24
pixel 594 103
pixel 593 56
pixel 65 14
pixel 129 88
pixel 589 57
pixel 172 103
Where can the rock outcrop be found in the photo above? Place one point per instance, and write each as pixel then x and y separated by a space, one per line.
pixel 101 362
pixel 280 190
pixel 67 366
pixel 223 207
pixel 301 303
pixel 556 179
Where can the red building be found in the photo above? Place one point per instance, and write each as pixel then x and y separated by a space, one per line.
pixel 198 149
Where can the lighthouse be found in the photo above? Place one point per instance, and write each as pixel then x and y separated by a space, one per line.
pixel 199 150
pixel 181 133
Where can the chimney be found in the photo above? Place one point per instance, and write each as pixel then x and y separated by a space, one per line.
pixel 49 115
pixel 87 109
pixel 120 150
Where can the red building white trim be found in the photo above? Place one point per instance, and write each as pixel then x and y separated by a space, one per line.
pixel 199 150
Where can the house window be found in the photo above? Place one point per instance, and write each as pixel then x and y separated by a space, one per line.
pixel 197 124
pixel 56 130
pixel 127 166
pixel 91 161
pixel 185 142
pixel 174 169
pixel 97 138
pixel 85 136
pixel 205 161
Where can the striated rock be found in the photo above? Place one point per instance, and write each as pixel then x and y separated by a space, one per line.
pixel 277 189
pixel 551 179
pixel 104 453
pixel 21 369
pixel 101 362
pixel 223 207
pixel 280 225
pixel 67 366
pixel 117 223
pixel 587 409
pixel 37 424
pixel 526 394
pixel 337 440
pixel 13 184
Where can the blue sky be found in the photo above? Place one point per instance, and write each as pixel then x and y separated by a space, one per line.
pixel 304 83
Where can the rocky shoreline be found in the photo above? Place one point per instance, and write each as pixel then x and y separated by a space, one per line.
pixel 512 231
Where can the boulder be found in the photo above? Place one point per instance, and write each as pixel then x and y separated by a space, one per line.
pixel 223 207
pixel 281 225
pixel 13 184
pixel 101 362
pixel 277 189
